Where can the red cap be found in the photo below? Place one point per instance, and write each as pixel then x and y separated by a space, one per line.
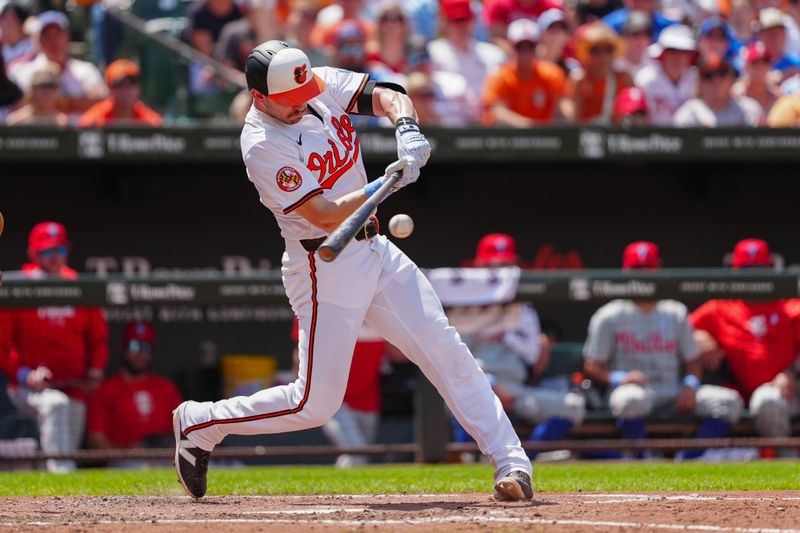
pixel 755 51
pixel 457 9
pixel 46 235
pixel 641 254
pixel 629 101
pixel 139 330
pixel 751 253
pixel 496 248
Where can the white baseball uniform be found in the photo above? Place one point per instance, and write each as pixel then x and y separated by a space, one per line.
pixel 371 281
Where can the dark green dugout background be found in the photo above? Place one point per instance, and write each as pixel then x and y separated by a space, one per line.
pixel 189 216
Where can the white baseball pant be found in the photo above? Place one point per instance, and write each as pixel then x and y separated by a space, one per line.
pixel 372 281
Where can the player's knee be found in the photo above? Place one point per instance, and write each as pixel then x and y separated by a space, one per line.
pixel 317 413
pixel 54 401
pixel 719 402
pixel 630 401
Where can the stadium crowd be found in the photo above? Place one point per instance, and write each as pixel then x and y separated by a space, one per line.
pixel 514 63
pixel 641 358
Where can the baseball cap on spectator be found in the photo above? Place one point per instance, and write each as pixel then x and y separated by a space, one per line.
pixel 756 51
pixel 638 22
pixel 550 17
pixel 675 37
pixel 545 5
pixel 629 101
pixel 138 330
pixel 496 248
pixel 53 18
pixel 641 254
pixel 457 10
pixel 122 69
pixel 349 29
pixel 46 75
pixel 751 253
pixel 46 235
pixel 20 11
pixel 770 17
pixel 523 30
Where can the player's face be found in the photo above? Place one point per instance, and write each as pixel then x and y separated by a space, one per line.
pixel 284 113
pixel 138 355
pixel 52 260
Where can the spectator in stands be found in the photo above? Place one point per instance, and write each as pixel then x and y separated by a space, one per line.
pixel 458 51
pixel 10 94
pixel 635 39
pixel 526 91
pixel 300 22
pixel 630 108
pixel 16 44
pixel 715 105
pixel 618 18
pixel 53 356
pixel 81 83
pixel 43 99
pixel 759 341
pixel 513 353
pixel 350 52
pixel 597 86
pixel 717 39
pixel 785 113
pixel 771 27
pixel 356 421
pixel 390 45
pixel 644 353
pixel 453 102
pixel 554 38
pixel 332 15
pixel 591 10
pixel 206 19
pixel 123 105
pixel 135 395
pixel 238 37
pixel 671 80
pixel 757 82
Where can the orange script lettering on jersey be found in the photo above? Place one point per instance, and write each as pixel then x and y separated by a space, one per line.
pixel 333 164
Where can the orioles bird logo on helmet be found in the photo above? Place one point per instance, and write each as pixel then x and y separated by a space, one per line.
pixel 300 74
pixel 288 179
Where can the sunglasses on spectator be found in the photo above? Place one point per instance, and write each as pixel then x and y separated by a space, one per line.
pixel 525 45
pixel 719 73
pixel 354 50
pixel 397 17
pixel 125 82
pixel 597 50
pixel 642 33
pixel 57 250
pixel 139 346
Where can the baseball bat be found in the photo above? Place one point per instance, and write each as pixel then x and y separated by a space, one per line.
pixel 336 241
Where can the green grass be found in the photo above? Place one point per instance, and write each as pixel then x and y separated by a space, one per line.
pixel 587 477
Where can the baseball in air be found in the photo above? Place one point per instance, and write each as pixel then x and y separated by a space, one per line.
pixel 401 226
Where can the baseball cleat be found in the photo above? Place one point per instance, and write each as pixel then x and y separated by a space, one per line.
pixel 191 462
pixel 514 487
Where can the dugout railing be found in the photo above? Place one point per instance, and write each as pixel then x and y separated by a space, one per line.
pixel 431 422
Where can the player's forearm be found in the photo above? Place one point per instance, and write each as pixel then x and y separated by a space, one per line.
pixel 327 214
pixel 597 372
pixel 394 105
pixel 504 116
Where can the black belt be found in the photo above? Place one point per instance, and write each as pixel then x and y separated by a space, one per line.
pixel 367 231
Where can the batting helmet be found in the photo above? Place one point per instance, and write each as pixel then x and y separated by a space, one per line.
pixel 282 73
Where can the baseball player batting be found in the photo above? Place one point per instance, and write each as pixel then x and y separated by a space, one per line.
pixel 302 154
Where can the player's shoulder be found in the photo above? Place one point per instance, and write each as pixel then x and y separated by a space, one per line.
pixel 613 310
pixel 549 70
pixel 261 134
pixel 672 308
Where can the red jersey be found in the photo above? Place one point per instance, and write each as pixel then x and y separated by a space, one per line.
pixel 363 391
pixel 129 410
pixel 67 340
pixel 102 114
pixel 506 11
pixel 760 339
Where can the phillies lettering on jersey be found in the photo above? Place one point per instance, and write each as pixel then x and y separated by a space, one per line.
pixel 291 163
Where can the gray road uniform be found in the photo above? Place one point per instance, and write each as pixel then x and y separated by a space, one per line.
pixel 656 343
pixel 506 345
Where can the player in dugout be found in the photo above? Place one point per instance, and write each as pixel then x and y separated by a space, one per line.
pixel 135 395
pixel 645 355
pixel 53 356
pixel 759 342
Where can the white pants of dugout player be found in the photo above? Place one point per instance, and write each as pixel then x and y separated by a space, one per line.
pixel 372 281
pixel 60 419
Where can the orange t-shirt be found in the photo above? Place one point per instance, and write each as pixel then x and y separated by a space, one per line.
pixel 101 114
pixel 592 91
pixel 535 98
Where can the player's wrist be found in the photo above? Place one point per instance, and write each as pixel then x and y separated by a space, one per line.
pixel 615 377
pixel 406 124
